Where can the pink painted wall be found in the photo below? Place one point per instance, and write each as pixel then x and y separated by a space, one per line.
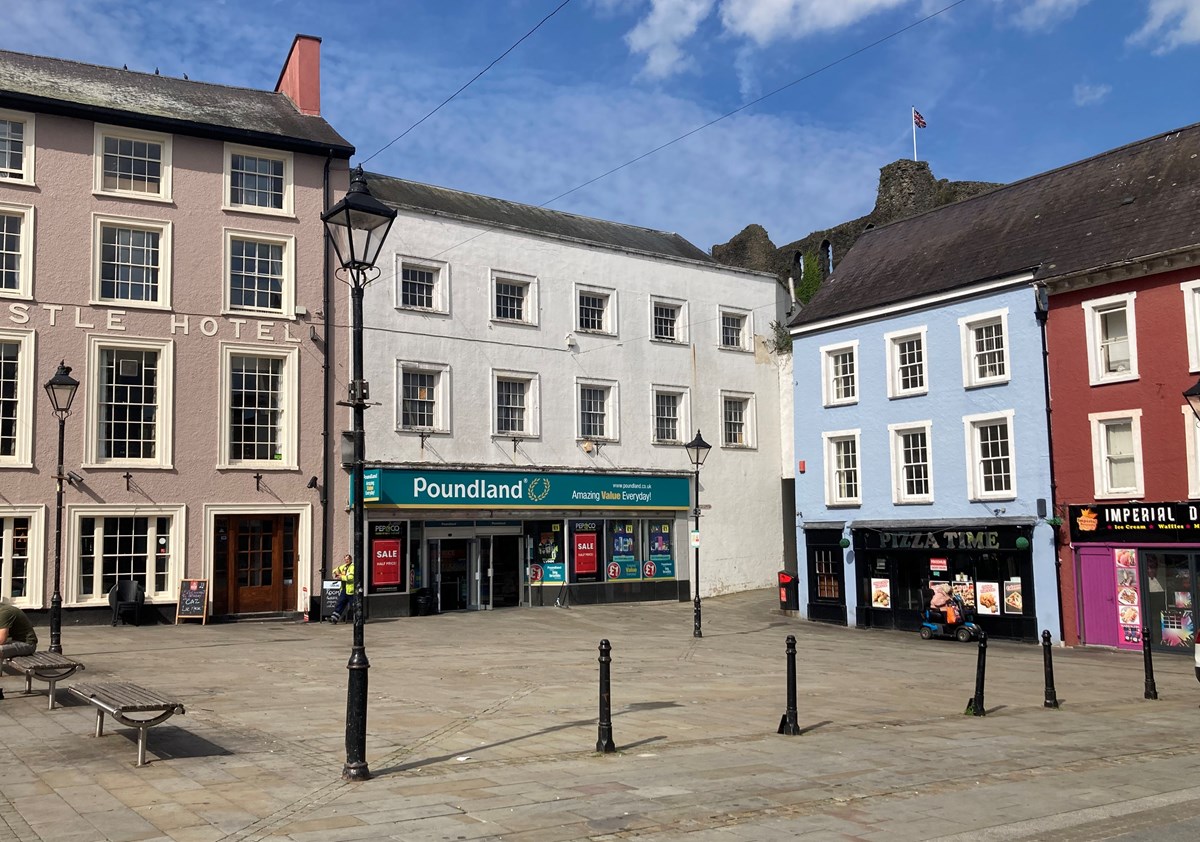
pixel 64 202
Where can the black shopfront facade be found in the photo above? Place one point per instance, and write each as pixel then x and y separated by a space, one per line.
pixel 990 564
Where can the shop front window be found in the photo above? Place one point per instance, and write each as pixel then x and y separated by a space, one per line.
pixel 1168 597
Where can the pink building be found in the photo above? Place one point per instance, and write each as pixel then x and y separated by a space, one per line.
pixel 163 238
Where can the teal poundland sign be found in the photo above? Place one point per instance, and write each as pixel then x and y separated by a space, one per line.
pixel 515 490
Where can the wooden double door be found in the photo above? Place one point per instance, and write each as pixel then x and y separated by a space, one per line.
pixel 255 563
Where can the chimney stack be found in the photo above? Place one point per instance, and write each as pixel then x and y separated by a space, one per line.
pixel 300 79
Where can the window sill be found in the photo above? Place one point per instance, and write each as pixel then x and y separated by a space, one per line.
pixel 274 466
pixel 739 447
pixel 137 197
pixel 899 396
pixel 983 384
pixel 15 466
pixel 128 305
pixel 1130 494
pixel 513 322
pixel 127 464
pixel 424 311
pixel 259 315
pixel 17 182
pixel 848 504
pixel 834 404
pixel 254 210
pixel 1121 378
pixel 737 349
pixel 661 341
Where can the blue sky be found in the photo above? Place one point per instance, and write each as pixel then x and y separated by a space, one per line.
pixel 1009 88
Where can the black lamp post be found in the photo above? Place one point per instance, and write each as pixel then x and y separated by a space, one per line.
pixel 358 226
pixel 61 389
pixel 697 450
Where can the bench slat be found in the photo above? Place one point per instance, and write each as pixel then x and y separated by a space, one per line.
pixel 43 660
pixel 128 698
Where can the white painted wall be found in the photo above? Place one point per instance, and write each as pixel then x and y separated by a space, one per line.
pixel 742 532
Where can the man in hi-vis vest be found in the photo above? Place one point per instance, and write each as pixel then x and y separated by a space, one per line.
pixel 345 572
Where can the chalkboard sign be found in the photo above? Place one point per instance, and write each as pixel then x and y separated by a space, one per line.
pixel 331 592
pixel 193 600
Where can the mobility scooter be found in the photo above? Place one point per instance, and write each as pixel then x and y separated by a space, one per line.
pixel 957 622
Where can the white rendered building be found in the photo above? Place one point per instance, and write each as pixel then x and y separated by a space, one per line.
pixel 535 375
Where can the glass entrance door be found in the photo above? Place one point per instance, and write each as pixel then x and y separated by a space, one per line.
pixel 481 569
pixel 1169 598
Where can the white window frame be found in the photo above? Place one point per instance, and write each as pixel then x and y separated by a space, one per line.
pixel 747 317
pixel 530 282
pixel 28 147
pixel 612 414
pixel 165 234
pixel 892 342
pixel 288 310
pixel 967 326
pixel 441 284
pixel 971 425
pixel 232 149
pixel 829 440
pixel 1091 313
pixel 37 554
pixel 441 401
pixel 1191 438
pixel 164 424
pixel 24 288
pixel 1191 316
pixel 896 433
pixel 828 393
pixel 751 420
pixel 73 564
pixel 26 397
pixel 681 320
pixel 533 403
pixel 684 419
pixel 1098 421
pixel 164 140
pixel 609 327
pixel 291 407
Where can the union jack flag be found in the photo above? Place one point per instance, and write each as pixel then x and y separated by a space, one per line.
pixel 918 119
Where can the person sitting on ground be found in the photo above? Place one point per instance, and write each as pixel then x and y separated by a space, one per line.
pixel 345 572
pixel 938 609
pixel 17 637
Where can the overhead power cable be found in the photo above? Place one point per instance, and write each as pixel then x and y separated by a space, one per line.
pixel 495 61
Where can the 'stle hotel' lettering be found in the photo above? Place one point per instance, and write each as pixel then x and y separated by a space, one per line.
pixel 179 324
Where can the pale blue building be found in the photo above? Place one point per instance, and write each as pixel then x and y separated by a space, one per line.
pixel 921 434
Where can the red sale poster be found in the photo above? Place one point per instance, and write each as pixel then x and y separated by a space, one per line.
pixel 385 562
pixel 585 552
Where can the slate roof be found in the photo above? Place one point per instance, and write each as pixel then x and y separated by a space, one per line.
pixel 1121 206
pixel 425 197
pixel 162 103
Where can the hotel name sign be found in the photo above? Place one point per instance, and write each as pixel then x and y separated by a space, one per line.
pixel 179 324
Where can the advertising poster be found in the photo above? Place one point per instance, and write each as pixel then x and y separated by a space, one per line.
pixel 385 561
pixel 881 593
pixel 937 565
pixel 622 561
pixel 1129 597
pixel 662 557
pixel 554 573
pixel 1013 599
pixel 988 597
pixel 966 589
pixel 585 553
pixel 1178 627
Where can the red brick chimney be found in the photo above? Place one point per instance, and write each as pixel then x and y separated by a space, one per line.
pixel 300 79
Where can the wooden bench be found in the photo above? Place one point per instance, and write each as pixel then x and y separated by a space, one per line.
pixel 120 700
pixel 44 666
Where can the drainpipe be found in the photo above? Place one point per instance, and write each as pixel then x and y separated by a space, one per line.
pixel 327 404
pixel 1042 312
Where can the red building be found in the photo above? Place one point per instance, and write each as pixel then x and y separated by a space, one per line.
pixel 1123 344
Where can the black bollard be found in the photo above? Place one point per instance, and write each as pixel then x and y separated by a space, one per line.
pixel 1151 690
pixel 975 703
pixel 1051 696
pixel 787 725
pixel 604 740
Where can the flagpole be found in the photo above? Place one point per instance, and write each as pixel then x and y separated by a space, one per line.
pixel 914 131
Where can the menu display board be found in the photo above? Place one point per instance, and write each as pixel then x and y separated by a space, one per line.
pixel 1013 598
pixel 965 588
pixel 881 593
pixel 988 597
pixel 1129 597
pixel 331 592
pixel 193 601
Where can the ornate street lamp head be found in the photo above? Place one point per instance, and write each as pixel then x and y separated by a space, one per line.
pixel 1192 396
pixel 697 450
pixel 61 389
pixel 358 225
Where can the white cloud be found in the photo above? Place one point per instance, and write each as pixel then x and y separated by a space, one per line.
pixel 1169 24
pixel 1086 94
pixel 1041 15
pixel 659 35
pixel 764 21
